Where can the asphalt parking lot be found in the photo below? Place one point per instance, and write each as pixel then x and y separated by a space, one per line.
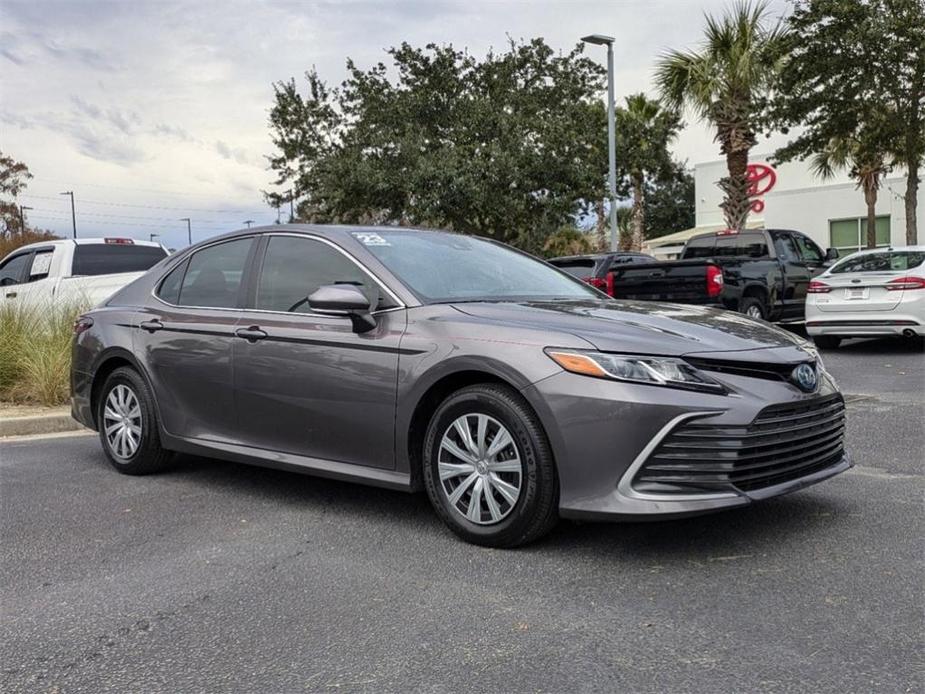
pixel 222 577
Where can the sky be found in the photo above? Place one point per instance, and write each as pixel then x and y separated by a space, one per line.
pixel 154 111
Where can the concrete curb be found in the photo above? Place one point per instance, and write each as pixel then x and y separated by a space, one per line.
pixel 51 423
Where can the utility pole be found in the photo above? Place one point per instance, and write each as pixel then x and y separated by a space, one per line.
pixel 189 230
pixel 600 40
pixel 22 218
pixel 248 222
pixel 291 211
pixel 277 213
pixel 73 211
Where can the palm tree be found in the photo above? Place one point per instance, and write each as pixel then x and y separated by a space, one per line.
pixel 644 130
pixel 567 241
pixel 727 83
pixel 866 164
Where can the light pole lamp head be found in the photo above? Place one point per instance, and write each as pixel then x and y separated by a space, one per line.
pixel 598 39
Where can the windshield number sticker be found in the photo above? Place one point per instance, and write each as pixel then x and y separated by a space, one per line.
pixel 370 239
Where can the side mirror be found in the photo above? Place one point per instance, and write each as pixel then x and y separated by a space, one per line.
pixel 344 300
pixel 831 254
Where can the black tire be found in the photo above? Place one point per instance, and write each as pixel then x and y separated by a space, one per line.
pixel 535 511
pixel 751 305
pixel 149 456
pixel 826 341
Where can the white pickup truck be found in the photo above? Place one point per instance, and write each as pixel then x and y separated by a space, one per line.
pixel 85 271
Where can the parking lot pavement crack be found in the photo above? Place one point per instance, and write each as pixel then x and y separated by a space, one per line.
pixel 880 473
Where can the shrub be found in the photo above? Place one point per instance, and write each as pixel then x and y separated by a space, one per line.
pixel 35 352
pixel 10 242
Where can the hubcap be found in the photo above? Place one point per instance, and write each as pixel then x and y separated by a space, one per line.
pixel 753 312
pixel 480 469
pixel 122 422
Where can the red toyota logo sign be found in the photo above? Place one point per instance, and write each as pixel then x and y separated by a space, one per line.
pixel 761 178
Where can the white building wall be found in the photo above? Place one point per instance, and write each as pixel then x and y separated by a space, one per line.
pixel 802 201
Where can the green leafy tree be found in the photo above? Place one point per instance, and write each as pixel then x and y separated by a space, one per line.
pixel 865 162
pixel 670 202
pixel 644 130
pixel 567 241
pixel 511 146
pixel 728 82
pixel 854 83
pixel 14 176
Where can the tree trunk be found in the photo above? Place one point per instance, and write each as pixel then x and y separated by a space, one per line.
pixel 735 204
pixel 870 197
pixel 602 243
pixel 639 213
pixel 912 200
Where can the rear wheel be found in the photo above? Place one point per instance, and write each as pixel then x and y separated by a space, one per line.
pixel 826 341
pixel 488 468
pixel 127 423
pixel 753 307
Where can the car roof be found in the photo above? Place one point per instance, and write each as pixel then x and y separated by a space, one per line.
pixel 886 249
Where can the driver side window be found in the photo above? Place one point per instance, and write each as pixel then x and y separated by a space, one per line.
pixel 12 270
pixel 808 250
pixel 294 268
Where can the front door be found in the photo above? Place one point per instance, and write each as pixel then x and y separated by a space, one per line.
pixel 307 383
pixel 796 276
pixel 184 340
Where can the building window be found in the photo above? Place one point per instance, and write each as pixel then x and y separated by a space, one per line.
pixel 850 235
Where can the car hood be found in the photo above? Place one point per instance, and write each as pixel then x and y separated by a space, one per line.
pixel 644 327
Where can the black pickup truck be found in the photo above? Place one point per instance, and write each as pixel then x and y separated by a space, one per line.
pixel 763 273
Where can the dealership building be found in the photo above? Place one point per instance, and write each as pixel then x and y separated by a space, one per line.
pixel 789 196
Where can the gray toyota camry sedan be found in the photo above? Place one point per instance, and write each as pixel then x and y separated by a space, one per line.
pixel 510 391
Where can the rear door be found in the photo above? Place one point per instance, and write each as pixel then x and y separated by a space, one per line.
pixel 184 338
pixel 306 383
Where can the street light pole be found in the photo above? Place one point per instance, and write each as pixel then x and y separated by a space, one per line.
pixel 73 211
pixel 151 237
pixel 600 40
pixel 22 218
pixel 248 222
pixel 189 230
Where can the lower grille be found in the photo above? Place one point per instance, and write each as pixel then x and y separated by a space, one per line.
pixel 783 443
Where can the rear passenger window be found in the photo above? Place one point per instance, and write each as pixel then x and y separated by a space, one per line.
pixel 214 274
pixel 169 290
pixel 41 264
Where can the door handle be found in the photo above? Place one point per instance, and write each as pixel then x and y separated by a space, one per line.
pixel 151 325
pixel 251 334
pixel 11 295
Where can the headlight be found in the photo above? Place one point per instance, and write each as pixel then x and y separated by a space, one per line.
pixel 661 371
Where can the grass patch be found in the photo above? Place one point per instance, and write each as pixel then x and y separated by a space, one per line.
pixel 35 352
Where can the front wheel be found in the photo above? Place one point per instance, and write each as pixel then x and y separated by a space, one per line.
pixel 488 468
pixel 127 422
pixel 826 341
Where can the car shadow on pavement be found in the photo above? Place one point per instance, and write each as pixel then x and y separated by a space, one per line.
pixel 751 529
pixel 881 346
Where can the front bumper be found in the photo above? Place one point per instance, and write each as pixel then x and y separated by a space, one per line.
pixel 859 325
pixel 602 432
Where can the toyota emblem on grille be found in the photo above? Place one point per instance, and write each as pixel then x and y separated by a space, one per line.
pixel 805 377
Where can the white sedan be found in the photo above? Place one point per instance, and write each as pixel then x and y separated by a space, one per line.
pixel 868 294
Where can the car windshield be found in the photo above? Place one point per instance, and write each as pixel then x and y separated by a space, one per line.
pixel 885 261
pixel 446 267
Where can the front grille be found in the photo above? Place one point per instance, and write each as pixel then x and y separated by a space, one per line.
pixel 770 372
pixel 783 443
